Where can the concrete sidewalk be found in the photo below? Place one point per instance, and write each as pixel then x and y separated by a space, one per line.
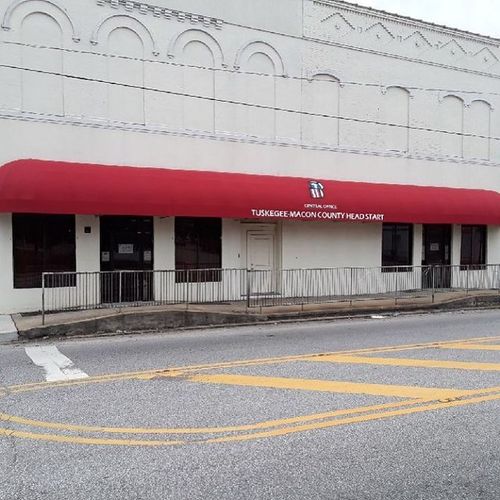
pixel 160 318
pixel 8 330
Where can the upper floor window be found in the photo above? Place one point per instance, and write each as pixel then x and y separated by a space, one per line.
pixel 396 112
pixel 321 102
pixel 479 143
pixel 451 113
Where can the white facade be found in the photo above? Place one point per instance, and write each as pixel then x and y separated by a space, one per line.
pixel 112 82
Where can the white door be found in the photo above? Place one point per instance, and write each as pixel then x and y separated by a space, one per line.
pixel 261 258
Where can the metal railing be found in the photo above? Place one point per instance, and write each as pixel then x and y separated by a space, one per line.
pixel 254 288
pixel 75 291
pixel 316 286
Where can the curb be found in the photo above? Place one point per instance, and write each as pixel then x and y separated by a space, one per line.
pixel 139 321
pixel 8 329
pixel 156 321
pixel 8 337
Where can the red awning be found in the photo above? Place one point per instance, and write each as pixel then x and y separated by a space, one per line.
pixel 35 186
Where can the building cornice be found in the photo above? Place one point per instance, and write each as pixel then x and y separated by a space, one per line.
pixel 393 55
pixel 145 8
pixel 336 22
pixel 409 21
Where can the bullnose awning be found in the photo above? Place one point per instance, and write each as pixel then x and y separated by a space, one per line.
pixel 36 186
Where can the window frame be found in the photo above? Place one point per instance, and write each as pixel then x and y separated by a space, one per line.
pixel 395 265
pixel 482 231
pixel 46 225
pixel 197 272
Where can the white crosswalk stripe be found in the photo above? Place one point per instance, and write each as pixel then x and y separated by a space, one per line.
pixel 55 364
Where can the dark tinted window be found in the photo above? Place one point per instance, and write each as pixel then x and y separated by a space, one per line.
pixel 473 249
pixel 42 243
pixel 397 245
pixel 198 246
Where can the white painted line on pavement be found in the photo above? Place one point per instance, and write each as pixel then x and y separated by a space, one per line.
pixel 56 365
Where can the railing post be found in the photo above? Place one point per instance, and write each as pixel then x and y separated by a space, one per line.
pixel 433 282
pixel 43 298
pixel 85 287
pixel 467 281
pixel 249 287
pixel 120 287
pixel 397 288
pixel 350 286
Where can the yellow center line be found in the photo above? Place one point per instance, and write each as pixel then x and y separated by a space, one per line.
pixel 398 391
pixel 424 405
pixel 55 438
pixel 472 347
pixel 238 428
pixel 426 396
pixel 408 362
pixel 205 430
pixel 148 374
pixel 353 420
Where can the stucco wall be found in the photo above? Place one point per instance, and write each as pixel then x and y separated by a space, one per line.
pixel 115 82
pixel 326 244
pixel 365 68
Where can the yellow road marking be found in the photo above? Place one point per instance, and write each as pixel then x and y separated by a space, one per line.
pixel 307 422
pixel 417 363
pixel 353 420
pixel 149 374
pixel 398 391
pixel 247 437
pixel 83 440
pixel 212 430
pixel 205 430
pixel 472 347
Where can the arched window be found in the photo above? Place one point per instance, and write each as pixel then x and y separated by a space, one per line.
pixel 322 97
pixel 451 112
pixel 479 123
pixel 42 93
pixel 125 50
pixel 199 80
pixel 395 110
pixel 260 90
pixel 200 54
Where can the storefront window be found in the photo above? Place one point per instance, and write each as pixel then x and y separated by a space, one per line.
pixel 43 243
pixel 473 249
pixel 397 245
pixel 198 246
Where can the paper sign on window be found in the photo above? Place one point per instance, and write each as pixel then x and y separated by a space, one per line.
pixel 126 248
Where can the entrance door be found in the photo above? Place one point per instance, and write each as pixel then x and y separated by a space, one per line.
pixel 261 257
pixel 127 245
pixel 437 255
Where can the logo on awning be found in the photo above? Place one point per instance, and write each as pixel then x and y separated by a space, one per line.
pixel 316 189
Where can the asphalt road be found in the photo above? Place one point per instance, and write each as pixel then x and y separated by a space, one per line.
pixel 393 408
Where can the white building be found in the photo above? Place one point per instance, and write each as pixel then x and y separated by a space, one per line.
pixel 394 121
